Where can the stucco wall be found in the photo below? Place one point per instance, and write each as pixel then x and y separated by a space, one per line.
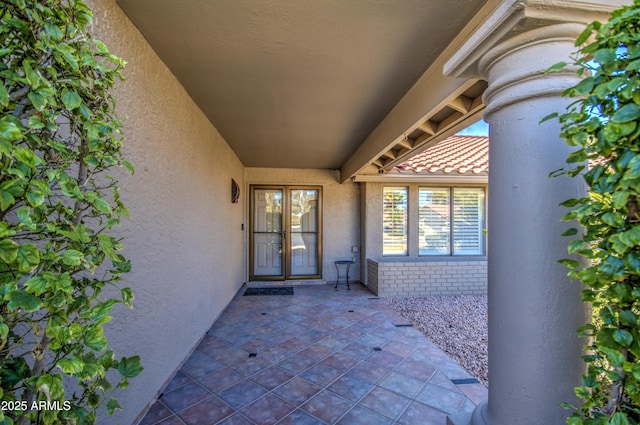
pixel 184 236
pixel 340 210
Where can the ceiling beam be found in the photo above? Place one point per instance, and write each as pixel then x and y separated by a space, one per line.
pixel 431 92
pixel 429 127
pixel 461 104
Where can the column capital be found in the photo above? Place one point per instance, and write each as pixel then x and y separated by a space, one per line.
pixel 507 19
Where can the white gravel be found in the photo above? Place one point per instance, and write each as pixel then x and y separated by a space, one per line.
pixel 456 324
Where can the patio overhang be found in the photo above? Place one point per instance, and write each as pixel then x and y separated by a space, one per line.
pixel 349 86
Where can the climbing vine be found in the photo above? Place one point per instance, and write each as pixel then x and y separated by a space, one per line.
pixel 58 138
pixel 603 127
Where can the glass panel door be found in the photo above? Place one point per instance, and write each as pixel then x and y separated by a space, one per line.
pixel 285 233
pixel 304 231
pixel 267 233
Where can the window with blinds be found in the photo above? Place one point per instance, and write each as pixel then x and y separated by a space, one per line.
pixel 468 219
pixel 435 221
pixel 394 210
pixel 451 221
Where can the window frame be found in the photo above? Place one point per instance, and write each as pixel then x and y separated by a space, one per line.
pixel 452 221
pixel 405 227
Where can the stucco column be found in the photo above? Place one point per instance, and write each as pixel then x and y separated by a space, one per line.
pixel 534 309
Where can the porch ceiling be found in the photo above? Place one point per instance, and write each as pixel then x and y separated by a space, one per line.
pixel 305 84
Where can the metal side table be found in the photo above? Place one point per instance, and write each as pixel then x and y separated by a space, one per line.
pixel 342 268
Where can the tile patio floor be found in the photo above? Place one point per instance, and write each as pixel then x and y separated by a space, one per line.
pixel 317 357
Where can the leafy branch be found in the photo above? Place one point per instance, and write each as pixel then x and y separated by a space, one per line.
pixel 603 127
pixel 58 136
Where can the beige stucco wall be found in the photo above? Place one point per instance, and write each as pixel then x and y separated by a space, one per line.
pixel 184 236
pixel 340 212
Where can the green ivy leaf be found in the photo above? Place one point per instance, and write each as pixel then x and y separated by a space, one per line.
pixel 127 296
pixel 112 406
pixel 8 251
pixel 102 206
pixel 51 386
pixel 37 285
pixel 9 131
pixel 628 112
pixel 4 96
pixel 72 257
pixel 71 99
pixel 28 257
pixel 629 318
pixel 70 366
pixel 54 32
pixel 94 338
pixel 129 166
pixel 619 419
pixel 130 367
pixel 21 299
pixel 569 263
pixel 622 337
pixel 570 232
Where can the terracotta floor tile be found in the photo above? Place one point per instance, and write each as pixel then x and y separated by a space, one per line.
pixel 441 398
pixel 271 377
pixel 267 410
pixel 321 374
pixel 202 367
pixel 178 380
pixel 251 365
pixel 156 413
pixel 297 390
pixel 221 380
pixel 185 396
pixel 209 411
pixel 173 420
pixel 241 394
pixel 402 384
pixel 341 361
pixel 419 414
pixel 317 352
pixel 314 364
pixel 296 363
pixel 300 417
pixel 385 402
pixel 351 388
pixel 362 416
pixel 236 419
pixel 327 407
pixel 369 372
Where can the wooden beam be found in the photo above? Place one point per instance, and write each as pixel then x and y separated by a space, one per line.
pixel 450 120
pixel 461 104
pixel 378 163
pixel 406 143
pixel 429 127
pixel 390 154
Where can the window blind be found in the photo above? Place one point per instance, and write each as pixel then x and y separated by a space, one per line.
pixel 468 207
pixel 394 211
pixel 435 221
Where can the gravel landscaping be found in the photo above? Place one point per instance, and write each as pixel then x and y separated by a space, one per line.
pixel 456 324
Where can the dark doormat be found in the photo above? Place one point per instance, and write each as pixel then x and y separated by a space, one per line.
pixel 280 290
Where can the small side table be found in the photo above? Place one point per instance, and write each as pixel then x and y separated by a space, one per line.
pixel 342 267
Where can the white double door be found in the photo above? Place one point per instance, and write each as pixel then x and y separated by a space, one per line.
pixel 285 232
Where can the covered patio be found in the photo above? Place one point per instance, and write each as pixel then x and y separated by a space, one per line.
pixel 226 100
pixel 319 356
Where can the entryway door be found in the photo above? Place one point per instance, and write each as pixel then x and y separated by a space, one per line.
pixel 285 233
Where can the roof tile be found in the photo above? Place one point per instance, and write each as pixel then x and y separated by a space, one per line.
pixel 463 155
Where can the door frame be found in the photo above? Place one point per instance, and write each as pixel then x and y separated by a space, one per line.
pixel 286 225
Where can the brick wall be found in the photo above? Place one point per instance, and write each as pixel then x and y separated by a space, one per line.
pixel 419 279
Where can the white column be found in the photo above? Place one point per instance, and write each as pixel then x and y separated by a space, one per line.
pixel 534 309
